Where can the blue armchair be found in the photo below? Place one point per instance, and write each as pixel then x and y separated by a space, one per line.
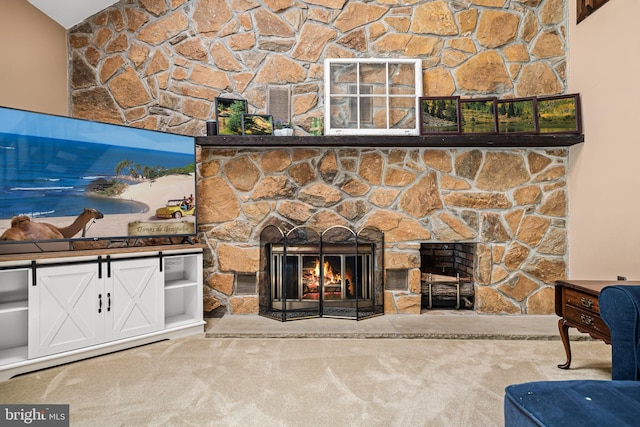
pixel 620 309
pixel 590 402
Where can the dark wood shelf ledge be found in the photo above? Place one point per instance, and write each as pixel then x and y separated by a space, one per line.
pixel 441 141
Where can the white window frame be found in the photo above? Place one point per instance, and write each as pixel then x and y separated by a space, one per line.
pixel 358 129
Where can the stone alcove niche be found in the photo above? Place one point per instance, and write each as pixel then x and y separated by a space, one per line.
pixel 448 272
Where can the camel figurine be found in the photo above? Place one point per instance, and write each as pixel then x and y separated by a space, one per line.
pixel 22 228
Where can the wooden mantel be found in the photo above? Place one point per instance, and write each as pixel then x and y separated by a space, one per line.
pixel 435 141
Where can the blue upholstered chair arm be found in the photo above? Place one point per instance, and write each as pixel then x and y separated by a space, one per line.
pixel 620 309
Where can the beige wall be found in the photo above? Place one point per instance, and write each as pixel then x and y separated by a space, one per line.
pixel 33 64
pixel 604 179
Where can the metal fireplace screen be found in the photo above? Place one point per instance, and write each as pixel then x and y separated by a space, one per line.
pixel 321 280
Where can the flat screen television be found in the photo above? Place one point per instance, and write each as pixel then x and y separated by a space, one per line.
pixel 65 181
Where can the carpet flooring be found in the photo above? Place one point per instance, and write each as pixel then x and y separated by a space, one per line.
pixel 199 381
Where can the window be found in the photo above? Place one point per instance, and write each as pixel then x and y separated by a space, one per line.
pixel 372 96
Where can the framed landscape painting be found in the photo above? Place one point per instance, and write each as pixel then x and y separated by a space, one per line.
pixel 439 115
pixel 229 113
pixel 478 116
pixel 517 115
pixel 559 114
pixel 257 124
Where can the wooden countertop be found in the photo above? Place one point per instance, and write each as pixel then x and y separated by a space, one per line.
pixel 35 256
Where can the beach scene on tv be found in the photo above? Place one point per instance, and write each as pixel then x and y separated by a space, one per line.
pixel 62 178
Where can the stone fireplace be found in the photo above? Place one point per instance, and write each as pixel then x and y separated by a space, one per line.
pixel 148 65
pixel 509 203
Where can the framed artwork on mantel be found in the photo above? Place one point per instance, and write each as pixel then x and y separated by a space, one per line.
pixel 439 115
pixel 559 114
pixel 517 115
pixel 478 116
pixel 257 124
pixel 229 113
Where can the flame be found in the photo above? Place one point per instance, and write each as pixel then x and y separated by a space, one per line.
pixel 331 278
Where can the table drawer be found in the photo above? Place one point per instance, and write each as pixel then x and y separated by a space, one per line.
pixel 586 319
pixel 582 300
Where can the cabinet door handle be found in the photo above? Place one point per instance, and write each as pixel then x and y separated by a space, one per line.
pixel 586 302
pixel 108 301
pixel 587 320
pixel 99 303
pixel 34 278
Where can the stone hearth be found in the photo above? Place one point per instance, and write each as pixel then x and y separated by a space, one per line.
pixel 511 203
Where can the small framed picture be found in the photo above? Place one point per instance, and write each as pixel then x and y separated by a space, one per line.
pixel 559 114
pixel 229 113
pixel 478 116
pixel 257 124
pixel 517 115
pixel 439 115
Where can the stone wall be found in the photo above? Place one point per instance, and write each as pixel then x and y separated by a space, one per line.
pixel 160 64
pixel 512 203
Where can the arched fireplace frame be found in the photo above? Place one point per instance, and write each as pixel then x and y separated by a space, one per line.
pixel 286 275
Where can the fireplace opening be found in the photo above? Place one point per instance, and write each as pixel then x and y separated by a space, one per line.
pixel 310 278
pixel 336 273
pixel 447 275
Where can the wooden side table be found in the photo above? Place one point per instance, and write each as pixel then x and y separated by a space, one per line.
pixel 577 305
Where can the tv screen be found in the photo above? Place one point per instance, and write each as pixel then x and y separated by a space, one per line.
pixel 65 179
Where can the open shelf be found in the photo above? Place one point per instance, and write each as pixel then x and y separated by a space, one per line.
pixel 14 354
pixel 174 284
pixel 14 315
pixel 182 300
pixel 180 305
pixel 178 320
pixel 180 270
pixel 10 307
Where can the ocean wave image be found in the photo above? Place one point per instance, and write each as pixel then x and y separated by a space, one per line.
pixel 45 177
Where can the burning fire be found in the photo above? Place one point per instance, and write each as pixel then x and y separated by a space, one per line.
pixel 329 276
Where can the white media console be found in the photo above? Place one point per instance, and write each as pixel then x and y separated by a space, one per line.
pixel 58 307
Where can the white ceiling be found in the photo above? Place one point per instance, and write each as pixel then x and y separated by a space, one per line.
pixel 71 12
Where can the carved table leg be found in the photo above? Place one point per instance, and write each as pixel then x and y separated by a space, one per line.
pixel 564 334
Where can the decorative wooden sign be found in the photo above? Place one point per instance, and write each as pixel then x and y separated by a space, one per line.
pixel 160 228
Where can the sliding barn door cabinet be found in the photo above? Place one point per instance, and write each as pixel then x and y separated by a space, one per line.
pixel 68 306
